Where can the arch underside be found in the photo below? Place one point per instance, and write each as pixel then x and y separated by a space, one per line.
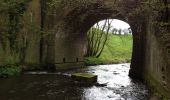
pixel 70 35
pixel 76 18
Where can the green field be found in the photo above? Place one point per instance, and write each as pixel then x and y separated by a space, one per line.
pixel 118 49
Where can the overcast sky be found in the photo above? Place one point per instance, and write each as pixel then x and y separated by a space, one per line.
pixel 118 24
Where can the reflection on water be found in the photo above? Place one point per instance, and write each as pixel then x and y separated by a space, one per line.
pixel 59 86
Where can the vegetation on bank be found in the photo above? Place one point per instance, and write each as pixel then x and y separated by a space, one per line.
pixel 9 70
pixel 118 49
pixel 10 67
pixel 16 35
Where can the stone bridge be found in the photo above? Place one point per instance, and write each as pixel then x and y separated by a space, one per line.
pixel 65 23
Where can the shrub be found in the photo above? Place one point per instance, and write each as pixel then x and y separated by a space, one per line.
pixel 9 70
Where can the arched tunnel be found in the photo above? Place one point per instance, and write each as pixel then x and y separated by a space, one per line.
pixel 70 36
pixel 52 33
pixel 66 47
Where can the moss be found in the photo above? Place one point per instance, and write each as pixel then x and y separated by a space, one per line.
pixel 86 75
pixel 156 88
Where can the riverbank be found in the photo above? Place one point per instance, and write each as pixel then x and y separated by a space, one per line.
pixel 118 49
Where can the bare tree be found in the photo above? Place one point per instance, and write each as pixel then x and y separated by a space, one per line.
pixel 114 31
pixel 97 37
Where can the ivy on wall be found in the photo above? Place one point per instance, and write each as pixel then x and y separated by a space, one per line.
pixel 11 13
pixel 15 27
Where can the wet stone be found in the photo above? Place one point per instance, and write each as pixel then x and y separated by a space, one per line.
pixel 84 77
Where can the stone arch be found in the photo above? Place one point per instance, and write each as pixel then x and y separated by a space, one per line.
pixel 78 18
pixel 72 18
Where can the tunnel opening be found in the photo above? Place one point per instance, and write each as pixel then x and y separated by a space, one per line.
pixel 109 41
pixel 76 23
pixel 112 58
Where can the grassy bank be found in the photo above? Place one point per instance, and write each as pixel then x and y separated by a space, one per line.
pixel 118 49
pixel 9 65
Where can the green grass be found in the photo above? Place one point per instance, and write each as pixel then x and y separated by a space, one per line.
pixel 9 70
pixel 9 67
pixel 118 49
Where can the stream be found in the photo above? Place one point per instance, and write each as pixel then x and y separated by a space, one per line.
pixel 43 85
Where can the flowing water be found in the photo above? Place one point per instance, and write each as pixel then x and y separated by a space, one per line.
pixel 59 85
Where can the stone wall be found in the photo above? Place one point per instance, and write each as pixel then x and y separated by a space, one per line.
pixel 156 65
pixel 157 55
pixel 33 14
pixel 27 38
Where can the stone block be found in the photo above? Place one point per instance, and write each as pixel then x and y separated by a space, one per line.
pixel 84 77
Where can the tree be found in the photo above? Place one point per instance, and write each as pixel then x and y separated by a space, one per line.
pixel 97 37
pixel 114 31
pixel 120 31
pixel 130 31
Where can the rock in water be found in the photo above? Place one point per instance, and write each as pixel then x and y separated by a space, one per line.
pixel 84 77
